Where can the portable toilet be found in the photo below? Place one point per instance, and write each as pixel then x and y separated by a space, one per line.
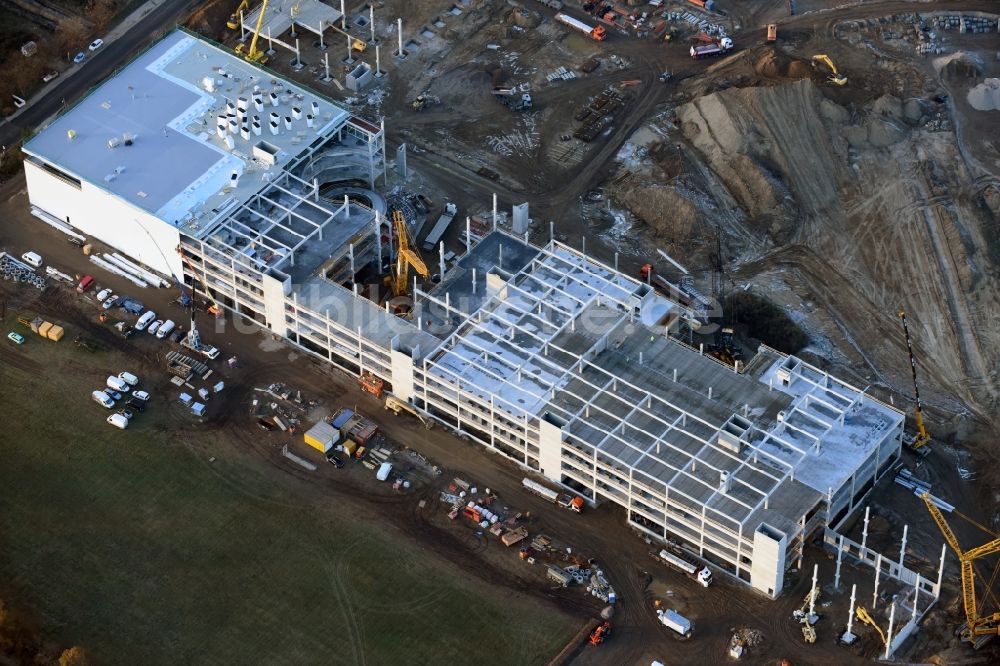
pixel 218 387
pixel 203 392
pixel 185 399
pixel 198 409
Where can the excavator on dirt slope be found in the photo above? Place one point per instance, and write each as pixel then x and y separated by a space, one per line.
pixel 835 77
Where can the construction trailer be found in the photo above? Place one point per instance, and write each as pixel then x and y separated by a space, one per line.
pixel 322 437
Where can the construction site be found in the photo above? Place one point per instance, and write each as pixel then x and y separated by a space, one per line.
pixel 715 276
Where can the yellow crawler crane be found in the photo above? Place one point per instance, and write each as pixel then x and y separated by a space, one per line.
pixel 976 624
pixel 252 54
pixel 406 257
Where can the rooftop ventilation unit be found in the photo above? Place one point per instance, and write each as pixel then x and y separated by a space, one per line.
pixel 288 123
pixel 128 139
pixel 242 104
pixel 725 482
pixel 220 129
pixel 296 113
pixel 234 179
pixel 230 143
pixel 274 99
pixel 208 83
pixel 255 126
pixel 258 102
pixel 315 108
pixel 233 125
pixel 245 132
pixel 266 152
pixel 230 108
pixel 309 121
pixel 114 142
pixel 274 128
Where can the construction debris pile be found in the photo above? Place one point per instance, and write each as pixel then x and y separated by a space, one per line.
pixel 284 412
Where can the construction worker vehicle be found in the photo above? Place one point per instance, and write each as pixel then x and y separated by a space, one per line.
pixel 601 633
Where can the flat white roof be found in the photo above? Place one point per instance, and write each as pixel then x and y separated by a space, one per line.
pixel 169 102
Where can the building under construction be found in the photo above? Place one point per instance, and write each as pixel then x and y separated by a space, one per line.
pixel 562 364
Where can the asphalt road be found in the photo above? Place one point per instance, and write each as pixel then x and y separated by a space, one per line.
pixel 96 68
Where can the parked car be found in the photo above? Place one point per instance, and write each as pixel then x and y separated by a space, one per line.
pixel 103 294
pixel 96 44
pixel 334 460
pixel 118 421
pixel 126 413
pixel 16 338
pixel 103 399
pixel 165 329
pixel 113 394
pixel 117 384
pixel 128 378
pixel 136 404
pixel 154 327
pixel 265 424
pixel 73 240
pixel 109 302
pixel 132 306
pixel 209 352
pixel 85 284
pixel 141 395
pixel 79 57
pixel 145 320
pixel 32 259
pixel 178 335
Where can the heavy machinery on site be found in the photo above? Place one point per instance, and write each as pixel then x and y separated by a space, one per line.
pixel 236 17
pixel 601 633
pixel 864 616
pixel 595 32
pixel 835 77
pixel 406 257
pixel 717 47
pixel 919 442
pixel 978 627
pixel 252 53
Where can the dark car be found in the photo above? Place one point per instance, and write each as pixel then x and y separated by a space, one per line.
pixel 265 424
pixel 178 335
pixel 127 413
pixel 136 404
pixel 113 394
pixel 335 461
pixel 73 240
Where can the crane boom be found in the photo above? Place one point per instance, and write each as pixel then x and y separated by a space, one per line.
pixel 406 256
pixel 922 437
pixel 253 55
pixel 866 617
pixel 976 625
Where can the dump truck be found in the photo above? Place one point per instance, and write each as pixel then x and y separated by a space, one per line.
pixel 513 98
pixel 571 502
pixel 686 565
pixel 716 48
pixel 676 622
pixel 595 32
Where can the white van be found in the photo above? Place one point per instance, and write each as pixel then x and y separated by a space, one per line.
pixel 117 384
pixel 118 421
pixel 32 259
pixel 144 320
pixel 154 327
pixel 210 352
pixel 128 378
pixel 166 328
pixel 103 399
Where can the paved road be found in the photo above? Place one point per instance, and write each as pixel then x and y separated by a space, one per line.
pixel 96 68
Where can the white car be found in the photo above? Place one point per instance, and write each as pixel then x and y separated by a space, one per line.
pixel 118 421
pixel 103 399
pixel 141 395
pixel 117 384
pixel 32 259
pixel 165 329
pixel 103 295
pixel 96 44
pixel 145 320
pixel 154 327
pixel 128 378
pixel 210 352
pixel 109 302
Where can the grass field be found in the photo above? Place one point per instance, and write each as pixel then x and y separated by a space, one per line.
pixel 134 546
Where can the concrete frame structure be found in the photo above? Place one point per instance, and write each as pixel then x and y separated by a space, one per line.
pixel 542 354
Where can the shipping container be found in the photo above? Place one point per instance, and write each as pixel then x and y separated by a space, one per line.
pixel 56 333
pixel 322 437
pixel 43 329
pixel 349 447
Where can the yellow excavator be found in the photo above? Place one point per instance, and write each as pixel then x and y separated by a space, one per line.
pixel 866 617
pixel 406 257
pixel 234 19
pixel 252 54
pixel 835 77
pixel 976 625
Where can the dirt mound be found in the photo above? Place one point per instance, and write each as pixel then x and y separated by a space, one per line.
pixel 959 65
pixel 667 213
pixel 776 64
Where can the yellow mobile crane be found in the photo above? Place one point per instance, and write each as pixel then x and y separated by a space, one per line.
pixel 234 19
pixel 835 77
pixel 252 54
pixel 405 256
pixel 975 624
pixel 922 437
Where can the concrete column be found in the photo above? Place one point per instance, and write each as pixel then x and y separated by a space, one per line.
pixel 902 547
pixel 441 254
pixel 878 575
pixel 473 280
pixel 812 593
pixel 468 235
pixel 343 16
pixel 378 62
pixel 270 44
pixel 494 211
pixel 616 261
pixel 350 251
pixel 350 58
pixel 840 556
pixel 321 46
pixel 916 597
pixel 864 533
pixel 940 571
pixel 378 240
pixel 401 161
pixel 298 53
pixel 326 66
pixel 371 20
pixel 399 33
pixel 888 634
pixel 848 636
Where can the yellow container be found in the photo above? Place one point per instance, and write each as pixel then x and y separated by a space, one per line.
pixel 56 333
pixel 43 330
pixel 350 447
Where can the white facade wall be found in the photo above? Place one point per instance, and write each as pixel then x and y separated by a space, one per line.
pixel 106 217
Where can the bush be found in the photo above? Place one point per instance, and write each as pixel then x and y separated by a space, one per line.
pixel 765 321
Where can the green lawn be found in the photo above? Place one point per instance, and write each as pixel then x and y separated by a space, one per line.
pixel 133 545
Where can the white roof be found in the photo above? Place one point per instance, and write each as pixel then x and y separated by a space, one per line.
pixel 169 101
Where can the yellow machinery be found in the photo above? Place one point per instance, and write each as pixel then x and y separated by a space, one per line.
pixel 358 45
pixel 405 256
pixel 976 625
pixel 836 77
pixel 252 54
pixel 234 19
pixel 922 438
pixel 865 617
